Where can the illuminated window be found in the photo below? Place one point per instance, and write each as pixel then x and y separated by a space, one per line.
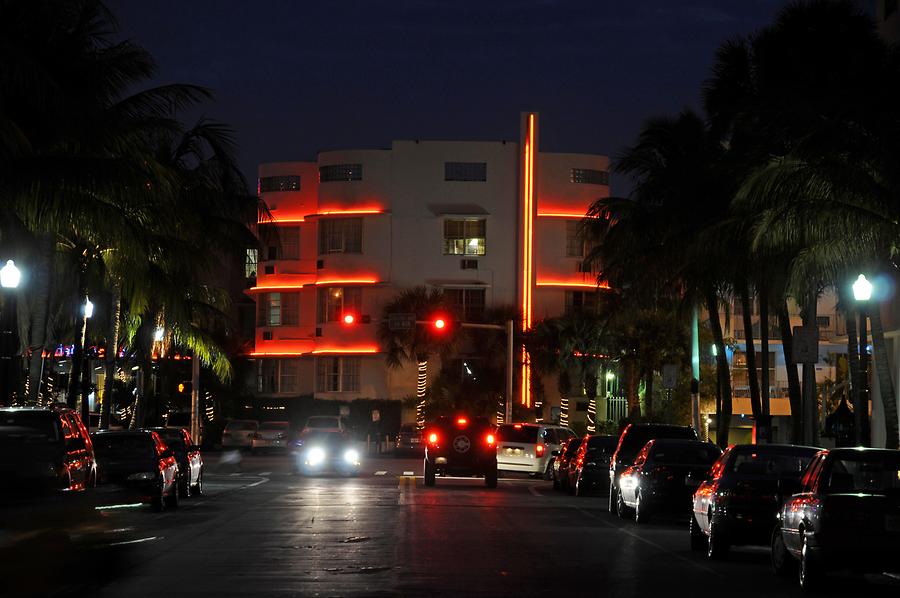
pixel 575 245
pixel 289 375
pixel 251 263
pixel 278 309
pixel 340 172
pixel 274 306
pixel 340 235
pixel 335 301
pixel 465 171
pixel 464 236
pixel 337 374
pixel 279 183
pixel 468 303
pixel 589 176
pixel 581 301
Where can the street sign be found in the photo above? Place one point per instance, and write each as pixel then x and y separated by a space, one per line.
pixel 670 375
pixel 806 344
pixel 401 321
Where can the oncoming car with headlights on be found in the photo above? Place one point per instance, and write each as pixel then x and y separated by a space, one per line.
pixel 325 451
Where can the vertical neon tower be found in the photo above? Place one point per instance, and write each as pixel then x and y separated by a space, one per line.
pixel 526 234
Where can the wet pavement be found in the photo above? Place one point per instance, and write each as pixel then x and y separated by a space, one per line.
pixel 262 531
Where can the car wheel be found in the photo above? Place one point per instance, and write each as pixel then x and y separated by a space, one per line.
pixel 810 572
pixel 172 500
pixel 716 545
pixel 622 509
pixel 641 512
pixel 548 472
pixel 698 540
pixel 782 562
pixel 429 473
pixel 490 478
pixel 612 498
pixel 158 502
pixel 580 486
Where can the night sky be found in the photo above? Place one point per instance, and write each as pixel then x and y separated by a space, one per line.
pixel 296 77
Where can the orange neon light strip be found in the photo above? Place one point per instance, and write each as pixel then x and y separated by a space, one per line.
pixel 334 351
pixel 528 257
pixel 564 215
pixel 276 220
pixel 277 287
pixel 347 281
pixel 579 284
pixel 351 211
pixel 347 350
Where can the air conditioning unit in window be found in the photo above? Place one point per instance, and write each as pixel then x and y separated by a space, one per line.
pixel 468 264
pixel 267 335
pixel 270 269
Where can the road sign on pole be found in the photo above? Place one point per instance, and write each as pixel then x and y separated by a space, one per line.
pixel 401 321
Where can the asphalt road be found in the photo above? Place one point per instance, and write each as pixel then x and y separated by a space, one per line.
pixel 261 531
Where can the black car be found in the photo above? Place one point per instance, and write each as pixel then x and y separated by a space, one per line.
pixel 631 441
pixel 461 445
pixel 561 459
pixel 660 479
pixel 325 451
pixel 846 516
pixel 589 468
pixel 738 501
pixel 138 465
pixel 409 441
pixel 45 448
pixel 190 461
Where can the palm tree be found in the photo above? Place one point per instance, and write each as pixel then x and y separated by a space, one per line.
pixel 420 343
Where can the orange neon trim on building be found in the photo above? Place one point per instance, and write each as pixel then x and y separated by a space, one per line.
pixel 275 287
pixel 528 253
pixel 277 220
pixel 572 283
pixel 349 211
pixel 564 215
pixel 340 350
pixel 347 281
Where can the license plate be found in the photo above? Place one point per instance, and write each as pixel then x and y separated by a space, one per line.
pixel 892 523
pixel 414 440
pixel 513 451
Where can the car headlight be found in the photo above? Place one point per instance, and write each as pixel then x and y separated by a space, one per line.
pixel 315 455
pixel 144 475
pixel 351 456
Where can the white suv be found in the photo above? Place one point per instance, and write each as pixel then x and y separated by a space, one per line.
pixel 529 447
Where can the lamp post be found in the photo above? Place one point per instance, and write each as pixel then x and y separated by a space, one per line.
pixel 87 310
pixel 862 293
pixel 9 281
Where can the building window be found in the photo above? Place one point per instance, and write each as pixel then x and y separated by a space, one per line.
pixel 589 176
pixel 268 376
pixel 334 302
pixel 279 183
pixel 280 243
pixel 575 245
pixel 465 171
pixel 279 309
pixel 338 374
pixel 340 235
pixel 289 376
pixel 823 321
pixel 467 303
pixel 581 301
pixel 464 237
pixel 340 172
pixel 251 263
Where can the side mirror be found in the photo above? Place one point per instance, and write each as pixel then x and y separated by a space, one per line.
pixel 554 453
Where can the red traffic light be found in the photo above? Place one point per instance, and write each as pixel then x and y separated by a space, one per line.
pixel 440 323
pixel 349 319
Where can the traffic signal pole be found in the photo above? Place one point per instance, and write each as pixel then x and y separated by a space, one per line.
pixel 195 399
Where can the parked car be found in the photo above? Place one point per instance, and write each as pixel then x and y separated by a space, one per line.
pixel 327 423
pixel 660 479
pixel 738 501
pixel 590 467
pixel 561 458
pixel 238 433
pixel 528 448
pixel 325 451
pixel 409 441
pixel 190 461
pixel 138 465
pixel 846 516
pixel 45 448
pixel 631 441
pixel 271 436
pixel 461 445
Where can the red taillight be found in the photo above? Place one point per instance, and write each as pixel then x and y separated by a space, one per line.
pixel 462 421
pixel 517 426
pixel 433 438
pixel 539 450
pixel 490 439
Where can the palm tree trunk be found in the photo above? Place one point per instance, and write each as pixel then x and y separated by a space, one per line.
pixel 885 382
pixel 648 395
pixel 755 406
pixel 37 336
pixel 764 373
pixel 421 386
pixel 631 389
pixel 859 410
pixel 787 347
pixel 723 417
pixel 78 354
pixel 112 354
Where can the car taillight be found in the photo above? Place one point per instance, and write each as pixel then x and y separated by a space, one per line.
pixel 539 450
pixel 490 439
pixel 433 438
pixel 462 421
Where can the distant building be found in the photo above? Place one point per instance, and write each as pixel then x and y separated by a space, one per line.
pixel 489 223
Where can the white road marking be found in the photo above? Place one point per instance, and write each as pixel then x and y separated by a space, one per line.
pixel 380 473
pixel 409 473
pixel 135 541
pixel 534 491
pixel 265 473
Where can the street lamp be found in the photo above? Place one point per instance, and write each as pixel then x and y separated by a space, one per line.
pixel 9 279
pixel 83 372
pixel 862 292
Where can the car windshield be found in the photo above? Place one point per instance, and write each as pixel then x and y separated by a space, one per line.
pixel 25 426
pixel 274 426
pixel 700 453
pixel 123 446
pixel 322 422
pixel 241 425
pixel 872 474
pixel 782 464
pixel 518 433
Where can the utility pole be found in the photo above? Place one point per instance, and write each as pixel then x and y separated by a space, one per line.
pixel 695 369
pixel 195 398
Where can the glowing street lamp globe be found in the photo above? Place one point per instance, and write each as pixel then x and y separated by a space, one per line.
pixel 862 288
pixel 10 275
